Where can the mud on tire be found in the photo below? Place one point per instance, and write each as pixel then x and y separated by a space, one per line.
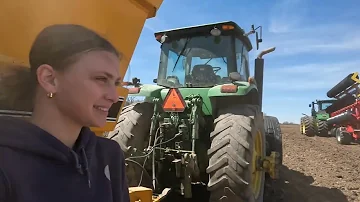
pixel 230 154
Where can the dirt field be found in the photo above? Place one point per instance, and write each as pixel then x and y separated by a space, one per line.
pixel 317 169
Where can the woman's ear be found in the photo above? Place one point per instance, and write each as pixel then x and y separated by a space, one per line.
pixel 46 77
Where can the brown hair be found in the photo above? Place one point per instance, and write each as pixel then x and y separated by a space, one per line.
pixel 58 46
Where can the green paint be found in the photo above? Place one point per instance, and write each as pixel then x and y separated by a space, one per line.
pixel 206 93
pixel 149 90
pixel 243 89
pixel 322 116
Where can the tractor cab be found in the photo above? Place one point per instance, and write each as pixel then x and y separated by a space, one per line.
pixel 321 106
pixel 203 56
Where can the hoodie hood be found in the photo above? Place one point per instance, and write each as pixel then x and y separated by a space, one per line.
pixel 19 134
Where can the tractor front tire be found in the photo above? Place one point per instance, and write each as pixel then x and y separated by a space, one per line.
pixel 238 132
pixel 310 126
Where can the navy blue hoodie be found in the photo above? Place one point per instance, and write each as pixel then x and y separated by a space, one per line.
pixel 37 167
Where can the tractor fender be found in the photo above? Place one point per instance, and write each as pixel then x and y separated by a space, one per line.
pixel 243 88
pixel 247 93
pixel 147 90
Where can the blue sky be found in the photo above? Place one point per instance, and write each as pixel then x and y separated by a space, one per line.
pixel 317 45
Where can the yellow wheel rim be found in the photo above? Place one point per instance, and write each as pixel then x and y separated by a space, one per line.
pixel 303 129
pixel 256 180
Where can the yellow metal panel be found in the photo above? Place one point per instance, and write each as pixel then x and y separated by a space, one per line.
pixel 142 194
pixel 120 21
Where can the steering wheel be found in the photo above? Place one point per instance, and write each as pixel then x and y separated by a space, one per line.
pixel 216 69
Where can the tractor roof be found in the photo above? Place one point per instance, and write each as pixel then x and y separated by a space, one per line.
pixel 206 28
pixel 329 101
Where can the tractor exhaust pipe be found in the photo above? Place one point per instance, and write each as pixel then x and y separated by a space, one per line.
pixel 259 72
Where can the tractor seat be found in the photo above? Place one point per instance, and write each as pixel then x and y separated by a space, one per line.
pixel 203 74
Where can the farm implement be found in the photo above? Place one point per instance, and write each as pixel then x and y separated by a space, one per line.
pixel 344 113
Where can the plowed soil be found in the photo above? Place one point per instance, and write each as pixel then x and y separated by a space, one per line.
pixel 317 169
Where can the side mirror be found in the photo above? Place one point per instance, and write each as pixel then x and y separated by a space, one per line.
pixel 309 105
pixel 154 80
pixel 235 76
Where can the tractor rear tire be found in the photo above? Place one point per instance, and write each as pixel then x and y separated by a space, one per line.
pixel 231 152
pixel 273 136
pixel 322 129
pixel 342 136
pixel 131 133
pixel 133 126
pixel 310 126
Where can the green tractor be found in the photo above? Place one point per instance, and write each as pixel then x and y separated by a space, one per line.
pixel 316 123
pixel 202 123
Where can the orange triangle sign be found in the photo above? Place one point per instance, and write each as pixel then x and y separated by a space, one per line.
pixel 174 102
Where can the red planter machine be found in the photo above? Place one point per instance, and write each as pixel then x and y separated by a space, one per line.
pixel 344 120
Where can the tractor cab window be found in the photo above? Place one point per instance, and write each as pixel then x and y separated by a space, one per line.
pixel 316 107
pixel 195 62
pixel 217 65
pixel 324 105
pixel 242 60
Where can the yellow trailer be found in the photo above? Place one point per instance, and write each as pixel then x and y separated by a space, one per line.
pixel 120 21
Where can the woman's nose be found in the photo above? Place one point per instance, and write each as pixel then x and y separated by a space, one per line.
pixel 113 95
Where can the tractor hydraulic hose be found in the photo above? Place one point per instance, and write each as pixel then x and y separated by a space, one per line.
pixel 154 118
pixel 195 126
pixel 138 164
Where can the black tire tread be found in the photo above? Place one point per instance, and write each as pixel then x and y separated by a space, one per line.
pixel 229 155
pixel 322 128
pixel 134 121
pixel 345 137
pixel 131 131
pixel 310 128
pixel 273 135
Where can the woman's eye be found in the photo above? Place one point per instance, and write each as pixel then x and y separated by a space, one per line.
pixel 103 79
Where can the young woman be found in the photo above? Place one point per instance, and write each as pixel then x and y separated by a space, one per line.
pixel 69 87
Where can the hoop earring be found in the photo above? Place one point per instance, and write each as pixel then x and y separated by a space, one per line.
pixel 50 95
